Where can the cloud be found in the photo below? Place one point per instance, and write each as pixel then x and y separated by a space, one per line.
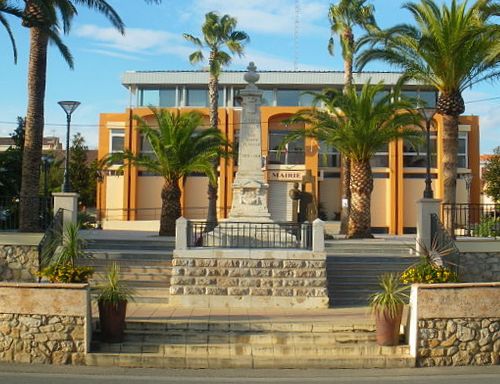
pixel 269 17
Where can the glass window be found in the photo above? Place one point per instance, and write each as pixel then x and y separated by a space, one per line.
pixel 415 156
pixel 381 157
pixel 328 156
pixel 292 153
pixel 462 150
pixel 168 97
pixel 306 100
pixel 117 142
pixel 428 97
pixel 268 97
pixel 288 97
pixel 150 97
pixel 197 98
pixel 145 148
pixel 380 95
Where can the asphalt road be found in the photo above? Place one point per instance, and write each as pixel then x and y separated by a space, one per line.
pixel 32 374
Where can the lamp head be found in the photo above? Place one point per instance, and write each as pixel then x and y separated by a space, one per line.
pixel 427 112
pixel 69 106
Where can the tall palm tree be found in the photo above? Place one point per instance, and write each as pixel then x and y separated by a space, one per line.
pixel 45 20
pixel 179 148
pixel 218 33
pixel 358 125
pixel 6 8
pixel 451 47
pixel 344 16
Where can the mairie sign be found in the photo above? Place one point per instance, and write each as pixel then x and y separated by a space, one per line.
pixel 283 175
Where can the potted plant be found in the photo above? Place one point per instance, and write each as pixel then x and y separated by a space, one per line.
pixel 112 299
pixel 387 306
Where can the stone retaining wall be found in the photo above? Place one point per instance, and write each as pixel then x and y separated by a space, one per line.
pixel 455 324
pixel 44 323
pixel 480 266
pixel 469 341
pixel 18 263
pixel 245 281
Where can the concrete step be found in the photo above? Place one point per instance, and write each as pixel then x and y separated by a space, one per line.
pixel 223 357
pixel 139 244
pixel 100 275
pixel 145 294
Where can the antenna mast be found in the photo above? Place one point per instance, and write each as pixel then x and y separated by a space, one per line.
pixel 296 36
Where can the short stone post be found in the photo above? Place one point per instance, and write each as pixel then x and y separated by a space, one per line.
pixel 318 236
pixel 425 207
pixel 68 201
pixel 181 226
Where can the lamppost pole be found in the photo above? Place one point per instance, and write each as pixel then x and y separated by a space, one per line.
pixel 428 115
pixel 467 177
pixel 69 107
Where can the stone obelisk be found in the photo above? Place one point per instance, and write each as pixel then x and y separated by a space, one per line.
pixel 249 187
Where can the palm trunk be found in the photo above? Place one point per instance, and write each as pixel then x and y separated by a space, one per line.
pixel 450 155
pixel 346 162
pixel 170 207
pixel 361 190
pixel 37 73
pixel 213 95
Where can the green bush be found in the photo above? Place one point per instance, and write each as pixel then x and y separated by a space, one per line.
pixel 426 272
pixel 488 227
pixel 67 273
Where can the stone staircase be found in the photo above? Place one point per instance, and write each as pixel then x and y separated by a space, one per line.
pixel 354 266
pixel 229 344
pixel 145 266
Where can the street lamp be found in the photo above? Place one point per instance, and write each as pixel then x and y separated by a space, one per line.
pixel 99 179
pixel 69 107
pixel 428 115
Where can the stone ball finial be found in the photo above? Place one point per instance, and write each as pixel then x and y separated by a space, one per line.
pixel 251 76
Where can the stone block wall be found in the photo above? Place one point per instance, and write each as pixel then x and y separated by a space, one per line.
pixel 446 342
pixel 455 324
pixel 42 339
pixel 296 280
pixel 480 266
pixel 44 323
pixel 18 263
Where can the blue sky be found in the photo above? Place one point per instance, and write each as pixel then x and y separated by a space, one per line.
pixel 153 41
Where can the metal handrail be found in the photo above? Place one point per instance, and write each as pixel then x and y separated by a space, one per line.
pixel 253 235
pixel 472 220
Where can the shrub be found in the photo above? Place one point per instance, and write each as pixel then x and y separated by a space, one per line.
pixel 488 227
pixel 428 273
pixel 67 273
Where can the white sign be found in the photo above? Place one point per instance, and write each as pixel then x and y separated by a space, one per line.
pixel 282 175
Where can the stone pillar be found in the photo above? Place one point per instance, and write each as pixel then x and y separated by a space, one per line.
pixel 425 207
pixel 318 236
pixel 68 201
pixel 181 225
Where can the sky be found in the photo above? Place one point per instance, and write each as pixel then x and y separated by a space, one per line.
pixel 153 41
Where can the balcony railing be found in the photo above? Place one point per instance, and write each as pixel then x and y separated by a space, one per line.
pixel 472 220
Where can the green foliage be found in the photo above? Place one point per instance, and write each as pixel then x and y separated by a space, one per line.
pixel 218 32
pixel 67 273
pixel 114 290
pixel 391 296
pixel 6 8
pixel 358 124
pixel 179 146
pixel 81 173
pixel 451 47
pixel 488 227
pixel 11 163
pixel 491 176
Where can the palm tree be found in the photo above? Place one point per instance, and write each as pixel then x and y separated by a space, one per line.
pixel 179 148
pixel 45 20
pixel 451 48
pixel 344 16
pixel 358 125
pixel 8 9
pixel 218 33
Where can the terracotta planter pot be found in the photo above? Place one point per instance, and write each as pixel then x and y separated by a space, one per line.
pixel 112 321
pixel 388 327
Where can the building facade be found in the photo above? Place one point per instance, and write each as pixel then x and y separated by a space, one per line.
pixel 129 193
